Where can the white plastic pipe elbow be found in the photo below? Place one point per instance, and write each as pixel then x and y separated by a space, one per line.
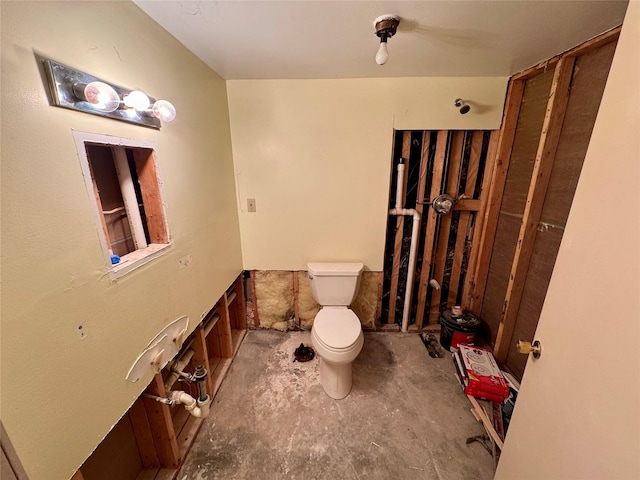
pixel 197 408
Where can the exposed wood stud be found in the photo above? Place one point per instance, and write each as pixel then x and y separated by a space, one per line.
pixel 224 331
pixel 254 299
pixel 99 203
pixel 377 320
pixel 200 356
pixel 397 246
pixel 296 292
pixel 161 425
pixel 551 128
pixel 143 435
pixel 470 279
pixel 432 218
pixel 484 243
pixel 151 194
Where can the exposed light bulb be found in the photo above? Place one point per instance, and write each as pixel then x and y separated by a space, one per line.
pixel 383 54
pixel 101 96
pixel 136 99
pixel 164 110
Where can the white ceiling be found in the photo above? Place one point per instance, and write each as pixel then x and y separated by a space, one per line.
pixel 336 39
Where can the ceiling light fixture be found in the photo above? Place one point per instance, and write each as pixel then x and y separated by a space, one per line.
pixel 386 26
pixel 71 88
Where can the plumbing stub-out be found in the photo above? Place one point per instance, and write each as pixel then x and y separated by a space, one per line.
pixel 303 354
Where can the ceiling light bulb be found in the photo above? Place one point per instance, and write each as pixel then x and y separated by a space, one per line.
pixel 136 99
pixel 101 96
pixel 383 54
pixel 164 110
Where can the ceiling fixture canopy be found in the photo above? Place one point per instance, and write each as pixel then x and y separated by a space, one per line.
pixel 386 26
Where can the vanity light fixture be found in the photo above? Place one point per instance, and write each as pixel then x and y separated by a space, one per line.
pixel 71 88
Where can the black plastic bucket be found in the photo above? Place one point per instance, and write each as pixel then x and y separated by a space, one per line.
pixel 457 329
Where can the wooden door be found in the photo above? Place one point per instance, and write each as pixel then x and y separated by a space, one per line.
pixel 456 163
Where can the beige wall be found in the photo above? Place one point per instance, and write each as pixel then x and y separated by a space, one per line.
pixel 61 394
pixel 316 156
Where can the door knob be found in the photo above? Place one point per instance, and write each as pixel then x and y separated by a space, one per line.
pixel 527 347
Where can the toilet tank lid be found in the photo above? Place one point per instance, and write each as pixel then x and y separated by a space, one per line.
pixel 320 269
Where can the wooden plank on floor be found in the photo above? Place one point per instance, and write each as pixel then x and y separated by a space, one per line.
pixel 551 128
pixel 432 218
pixel 496 189
pixel 397 245
pixel 479 412
pixel 143 435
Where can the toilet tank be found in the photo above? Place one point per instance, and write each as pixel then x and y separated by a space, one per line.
pixel 334 284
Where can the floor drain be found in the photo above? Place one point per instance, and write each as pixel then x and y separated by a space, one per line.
pixel 304 354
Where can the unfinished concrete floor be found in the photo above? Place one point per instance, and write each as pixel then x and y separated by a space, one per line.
pixel 406 417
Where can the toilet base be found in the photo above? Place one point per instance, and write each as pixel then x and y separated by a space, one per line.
pixel 336 379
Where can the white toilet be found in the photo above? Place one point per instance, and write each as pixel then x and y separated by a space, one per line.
pixel 337 332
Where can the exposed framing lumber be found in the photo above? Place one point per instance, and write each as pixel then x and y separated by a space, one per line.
pixel 96 193
pixel 596 42
pixel 200 356
pixel 478 278
pixel 379 303
pixel 397 246
pixel 254 299
pixel 456 268
pixel 479 222
pixel 151 195
pixel 224 329
pixel 551 128
pixel 161 425
pixel 76 476
pixel 13 461
pixel 296 293
pixel 432 220
pixel 143 435
pixel 456 158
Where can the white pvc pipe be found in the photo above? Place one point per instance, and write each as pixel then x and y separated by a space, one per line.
pixel 411 268
pixel 197 408
pixel 412 262
pixel 129 197
pixel 400 185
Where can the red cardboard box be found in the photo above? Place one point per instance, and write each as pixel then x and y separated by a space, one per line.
pixel 479 373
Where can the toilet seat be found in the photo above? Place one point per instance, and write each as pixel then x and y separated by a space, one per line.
pixel 337 329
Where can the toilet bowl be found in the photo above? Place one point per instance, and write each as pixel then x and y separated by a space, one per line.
pixel 337 332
